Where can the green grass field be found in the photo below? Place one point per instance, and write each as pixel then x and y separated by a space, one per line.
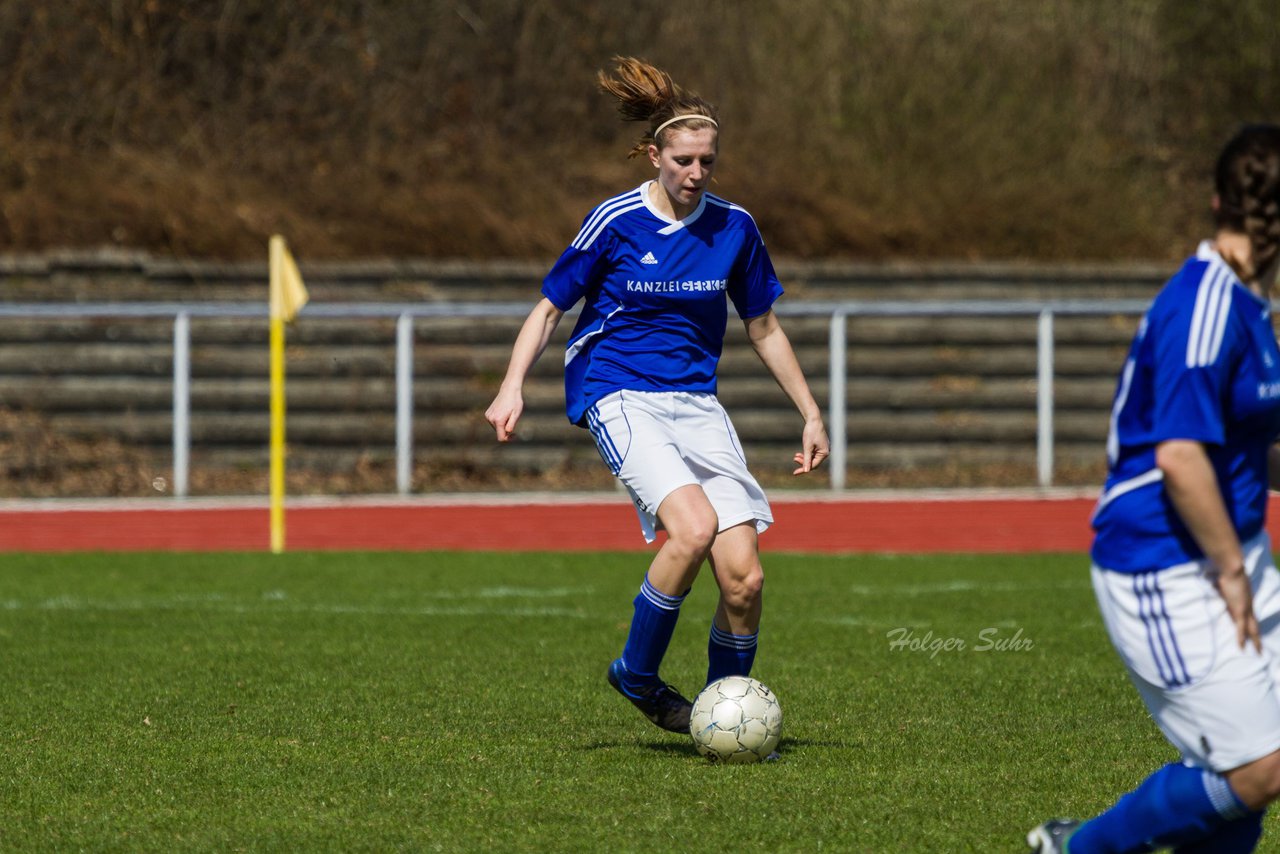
pixel 457 702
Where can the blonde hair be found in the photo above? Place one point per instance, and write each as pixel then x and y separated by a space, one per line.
pixel 648 94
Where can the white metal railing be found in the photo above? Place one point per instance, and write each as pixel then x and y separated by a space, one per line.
pixel 838 312
pixel 1043 310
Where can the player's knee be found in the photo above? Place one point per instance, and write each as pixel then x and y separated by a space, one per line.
pixel 695 534
pixel 1258 783
pixel 743 590
pixel 1270 782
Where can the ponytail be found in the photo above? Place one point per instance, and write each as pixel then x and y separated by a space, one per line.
pixel 648 94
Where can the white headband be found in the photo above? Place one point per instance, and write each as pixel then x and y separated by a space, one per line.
pixel 675 119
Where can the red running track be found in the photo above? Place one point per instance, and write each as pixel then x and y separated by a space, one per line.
pixel 901 523
pixel 905 523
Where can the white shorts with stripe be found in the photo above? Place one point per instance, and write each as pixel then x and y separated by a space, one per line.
pixel 657 442
pixel 1218 704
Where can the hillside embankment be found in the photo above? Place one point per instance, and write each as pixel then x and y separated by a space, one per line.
pixel 953 129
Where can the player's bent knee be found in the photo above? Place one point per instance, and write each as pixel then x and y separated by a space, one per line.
pixel 1271 780
pixel 704 533
pixel 690 521
pixel 753 585
pixel 694 537
pixel 700 532
pixel 742 591
pixel 1258 783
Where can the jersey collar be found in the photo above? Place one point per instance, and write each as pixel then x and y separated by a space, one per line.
pixel 1206 252
pixel 673 225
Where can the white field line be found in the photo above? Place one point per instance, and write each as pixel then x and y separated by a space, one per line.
pixel 940 589
pixel 965 587
pixel 854 620
pixel 884 622
pixel 279 602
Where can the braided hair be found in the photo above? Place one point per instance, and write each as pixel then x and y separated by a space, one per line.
pixel 1247 181
pixel 648 94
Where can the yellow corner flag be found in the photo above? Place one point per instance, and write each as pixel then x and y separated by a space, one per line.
pixel 288 296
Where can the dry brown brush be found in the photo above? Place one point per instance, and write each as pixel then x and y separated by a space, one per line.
pixel 921 128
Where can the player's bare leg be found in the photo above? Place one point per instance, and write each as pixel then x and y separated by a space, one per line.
pixel 1257 784
pixel 690 522
pixel 735 560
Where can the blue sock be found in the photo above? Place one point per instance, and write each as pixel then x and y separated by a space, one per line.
pixel 1174 806
pixel 729 654
pixel 1235 837
pixel 651 630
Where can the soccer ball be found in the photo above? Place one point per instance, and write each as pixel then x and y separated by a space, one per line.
pixel 736 719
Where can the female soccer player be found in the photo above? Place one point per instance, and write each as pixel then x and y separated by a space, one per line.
pixel 652 268
pixel 1182 564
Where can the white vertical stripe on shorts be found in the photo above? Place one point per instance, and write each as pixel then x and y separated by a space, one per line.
pixel 1217 703
pixel 1161 635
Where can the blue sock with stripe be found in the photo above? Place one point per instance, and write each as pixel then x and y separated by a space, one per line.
pixel 1176 805
pixel 651 629
pixel 729 654
pixel 1235 837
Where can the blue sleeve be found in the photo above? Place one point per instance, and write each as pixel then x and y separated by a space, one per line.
pixel 753 286
pixel 576 272
pixel 1191 384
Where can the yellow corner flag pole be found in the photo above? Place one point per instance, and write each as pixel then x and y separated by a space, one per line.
pixel 288 296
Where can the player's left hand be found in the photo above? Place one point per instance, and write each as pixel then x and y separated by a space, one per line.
pixel 816 447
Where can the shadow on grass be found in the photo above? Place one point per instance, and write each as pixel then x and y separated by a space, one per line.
pixel 684 747
pixel 676 745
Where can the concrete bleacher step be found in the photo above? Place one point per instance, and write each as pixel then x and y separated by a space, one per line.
pixel 921 391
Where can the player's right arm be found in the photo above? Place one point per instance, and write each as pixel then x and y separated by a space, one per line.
pixel 1273 467
pixel 508 405
pixel 1192 486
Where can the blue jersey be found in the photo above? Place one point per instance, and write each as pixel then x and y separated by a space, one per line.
pixel 1204 365
pixel 654 310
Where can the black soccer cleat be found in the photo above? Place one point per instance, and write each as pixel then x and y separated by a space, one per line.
pixel 1051 837
pixel 661 704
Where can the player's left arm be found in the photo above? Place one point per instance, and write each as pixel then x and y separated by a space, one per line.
pixel 774 349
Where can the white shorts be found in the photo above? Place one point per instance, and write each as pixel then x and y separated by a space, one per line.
pixel 1216 703
pixel 657 442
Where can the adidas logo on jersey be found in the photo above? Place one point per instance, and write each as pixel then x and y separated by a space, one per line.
pixel 648 259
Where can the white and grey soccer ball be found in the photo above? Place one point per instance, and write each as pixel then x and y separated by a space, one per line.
pixel 736 719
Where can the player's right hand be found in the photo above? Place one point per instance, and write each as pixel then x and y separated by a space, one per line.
pixel 1236 592
pixel 504 412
